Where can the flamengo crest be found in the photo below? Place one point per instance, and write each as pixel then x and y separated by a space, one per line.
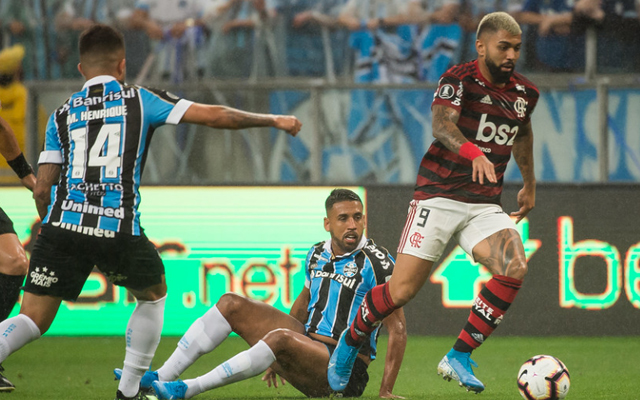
pixel 521 107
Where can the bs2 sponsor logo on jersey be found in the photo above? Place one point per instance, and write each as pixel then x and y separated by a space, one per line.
pixel 488 132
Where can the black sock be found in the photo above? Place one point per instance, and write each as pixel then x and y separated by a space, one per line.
pixel 10 286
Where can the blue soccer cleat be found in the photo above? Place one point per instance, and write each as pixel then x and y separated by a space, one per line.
pixel 145 382
pixel 341 364
pixel 170 390
pixel 457 365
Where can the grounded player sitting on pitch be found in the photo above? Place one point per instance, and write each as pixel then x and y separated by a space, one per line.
pixel 94 153
pixel 296 346
pixel 13 260
pixel 481 114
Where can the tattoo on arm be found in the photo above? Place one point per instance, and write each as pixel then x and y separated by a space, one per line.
pixel 241 119
pixel 445 128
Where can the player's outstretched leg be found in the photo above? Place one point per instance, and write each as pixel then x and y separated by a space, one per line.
pixel 5 384
pixel 145 382
pixel 170 390
pixel 457 365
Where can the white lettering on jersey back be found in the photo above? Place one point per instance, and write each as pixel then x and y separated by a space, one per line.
pixel 85 230
pixel 498 134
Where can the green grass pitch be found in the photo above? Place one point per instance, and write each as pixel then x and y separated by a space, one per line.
pixel 81 368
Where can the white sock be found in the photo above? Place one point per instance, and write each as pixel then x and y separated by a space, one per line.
pixel 242 366
pixel 143 337
pixel 204 335
pixel 15 333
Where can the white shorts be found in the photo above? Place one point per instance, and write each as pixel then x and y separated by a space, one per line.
pixel 432 222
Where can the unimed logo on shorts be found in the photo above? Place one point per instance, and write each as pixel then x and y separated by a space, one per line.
pixel 43 277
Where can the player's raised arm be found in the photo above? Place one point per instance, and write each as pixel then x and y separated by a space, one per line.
pixel 396 325
pixel 10 150
pixel 523 154
pixel 223 117
pixel 444 120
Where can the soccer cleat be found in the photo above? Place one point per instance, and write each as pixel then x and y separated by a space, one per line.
pixel 145 382
pixel 170 390
pixel 457 365
pixel 5 384
pixel 140 396
pixel 341 364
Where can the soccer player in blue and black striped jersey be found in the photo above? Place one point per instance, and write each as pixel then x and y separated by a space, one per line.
pixel 87 195
pixel 339 272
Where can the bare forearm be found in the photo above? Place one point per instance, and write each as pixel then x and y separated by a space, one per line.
pixel 8 143
pixel 395 354
pixel 223 117
pixel 299 308
pixel 523 154
pixel 48 175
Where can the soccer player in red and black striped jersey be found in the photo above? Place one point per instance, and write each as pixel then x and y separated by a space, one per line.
pixel 481 114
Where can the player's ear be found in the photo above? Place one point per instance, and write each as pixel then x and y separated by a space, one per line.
pixel 327 224
pixel 480 48
pixel 80 69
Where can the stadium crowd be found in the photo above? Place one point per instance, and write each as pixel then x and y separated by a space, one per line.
pixel 397 41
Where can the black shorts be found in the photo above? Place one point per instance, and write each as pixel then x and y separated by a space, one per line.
pixel 359 376
pixel 6 225
pixel 62 260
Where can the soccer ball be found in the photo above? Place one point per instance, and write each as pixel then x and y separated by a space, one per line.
pixel 543 378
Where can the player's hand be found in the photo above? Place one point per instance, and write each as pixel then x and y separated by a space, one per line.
pixel 526 202
pixel 288 123
pixel 482 168
pixel 271 378
pixel 29 182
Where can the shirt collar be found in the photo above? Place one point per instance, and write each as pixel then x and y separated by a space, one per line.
pixel 327 247
pixel 96 80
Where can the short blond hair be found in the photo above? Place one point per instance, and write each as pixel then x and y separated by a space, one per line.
pixel 493 22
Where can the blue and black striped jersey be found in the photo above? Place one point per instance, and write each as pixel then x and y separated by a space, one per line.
pixel 100 137
pixel 338 286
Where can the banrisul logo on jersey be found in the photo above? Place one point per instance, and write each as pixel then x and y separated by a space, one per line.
pixel 248 240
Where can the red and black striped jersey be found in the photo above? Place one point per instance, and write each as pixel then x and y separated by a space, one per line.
pixel 490 118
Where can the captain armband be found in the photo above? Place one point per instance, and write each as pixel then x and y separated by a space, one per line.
pixel 20 166
pixel 470 151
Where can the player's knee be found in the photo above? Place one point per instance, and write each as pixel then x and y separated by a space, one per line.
pixel 15 264
pixel 279 339
pixel 517 269
pixel 230 303
pixel 402 294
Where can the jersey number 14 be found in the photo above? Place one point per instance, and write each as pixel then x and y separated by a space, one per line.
pixel 105 152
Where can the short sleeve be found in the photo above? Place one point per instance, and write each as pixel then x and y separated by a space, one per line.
pixel 449 92
pixel 162 107
pixel 52 152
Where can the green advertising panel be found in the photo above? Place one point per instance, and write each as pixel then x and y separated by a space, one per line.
pixel 247 240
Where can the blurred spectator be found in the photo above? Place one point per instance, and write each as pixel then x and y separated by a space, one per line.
pixel 616 22
pixel 556 50
pixel 438 45
pixel 471 13
pixel 31 23
pixel 13 102
pixel 382 40
pixel 315 45
pixel 227 50
pixel 72 18
pixel 256 27
pixel 176 29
